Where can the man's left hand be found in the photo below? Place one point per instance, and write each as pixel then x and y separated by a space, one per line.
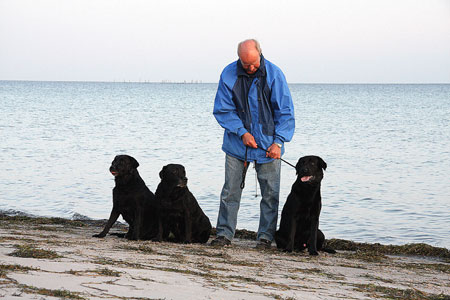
pixel 274 152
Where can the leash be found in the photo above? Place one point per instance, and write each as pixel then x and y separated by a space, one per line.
pixel 244 171
pixel 280 157
pixel 246 164
pixel 256 181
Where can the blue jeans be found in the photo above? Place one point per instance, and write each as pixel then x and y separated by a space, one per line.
pixel 269 180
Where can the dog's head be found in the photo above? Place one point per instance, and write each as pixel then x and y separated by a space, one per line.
pixel 123 165
pixel 310 169
pixel 174 175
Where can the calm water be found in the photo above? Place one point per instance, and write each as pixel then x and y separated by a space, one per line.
pixel 387 149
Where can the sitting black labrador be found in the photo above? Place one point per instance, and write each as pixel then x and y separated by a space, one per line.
pixel 181 214
pixel 299 225
pixel 133 200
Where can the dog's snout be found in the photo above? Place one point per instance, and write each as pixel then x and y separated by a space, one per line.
pixel 182 182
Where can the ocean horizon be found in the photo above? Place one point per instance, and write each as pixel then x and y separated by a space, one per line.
pixel 196 81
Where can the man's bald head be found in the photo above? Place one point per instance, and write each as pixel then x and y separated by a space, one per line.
pixel 249 44
pixel 249 52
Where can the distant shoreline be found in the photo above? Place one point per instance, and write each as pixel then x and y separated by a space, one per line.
pixel 205 82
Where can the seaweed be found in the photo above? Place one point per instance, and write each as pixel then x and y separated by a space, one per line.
pixel 418 249
pixel 395 293
pixel 41 220
pixel 29 251
pixel 63 294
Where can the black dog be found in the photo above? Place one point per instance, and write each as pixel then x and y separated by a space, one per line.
pixel 299 225
pixel 181 215
pixel 133 200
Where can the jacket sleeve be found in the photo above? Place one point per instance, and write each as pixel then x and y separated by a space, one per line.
pixel 225 110
pixel 283 108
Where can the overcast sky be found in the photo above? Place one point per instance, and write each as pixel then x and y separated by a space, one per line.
pixel 317 41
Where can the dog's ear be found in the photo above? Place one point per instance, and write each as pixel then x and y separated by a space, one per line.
pixel 161 173
pixel 322 164
pixel 134 163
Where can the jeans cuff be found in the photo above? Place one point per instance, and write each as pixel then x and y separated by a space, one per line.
pixel 222 233
pixel 264 236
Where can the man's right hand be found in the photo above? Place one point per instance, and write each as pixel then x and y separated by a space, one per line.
pixel 249 140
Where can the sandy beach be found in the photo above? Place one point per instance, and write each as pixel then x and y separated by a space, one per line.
pixel 58 259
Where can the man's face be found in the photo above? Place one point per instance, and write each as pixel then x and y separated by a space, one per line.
pixel 250 61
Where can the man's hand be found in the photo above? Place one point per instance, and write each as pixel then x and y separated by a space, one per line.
pixel 274 152
pixel 249 140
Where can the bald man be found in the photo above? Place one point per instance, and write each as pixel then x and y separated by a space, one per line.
pixel 254 106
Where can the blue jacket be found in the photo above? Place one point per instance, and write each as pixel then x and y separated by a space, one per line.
pixel 268 114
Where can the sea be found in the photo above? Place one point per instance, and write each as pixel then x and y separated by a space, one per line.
pixel 387 147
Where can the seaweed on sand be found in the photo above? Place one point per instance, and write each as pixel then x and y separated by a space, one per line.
pixel 408 249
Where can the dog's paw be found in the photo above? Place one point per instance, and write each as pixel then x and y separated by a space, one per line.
pixel 120 235
pixel 313 252
pixel 100 235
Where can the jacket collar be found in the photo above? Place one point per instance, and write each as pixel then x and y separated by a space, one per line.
pixel 259 73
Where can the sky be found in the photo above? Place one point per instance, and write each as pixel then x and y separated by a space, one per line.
pixel 317 41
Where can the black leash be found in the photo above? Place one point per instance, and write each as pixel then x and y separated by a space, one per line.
pixel 244 172
pixel 246 164
pixel 280 157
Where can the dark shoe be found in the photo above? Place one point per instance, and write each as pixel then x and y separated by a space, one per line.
pixel 263 244
pixel 220 241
